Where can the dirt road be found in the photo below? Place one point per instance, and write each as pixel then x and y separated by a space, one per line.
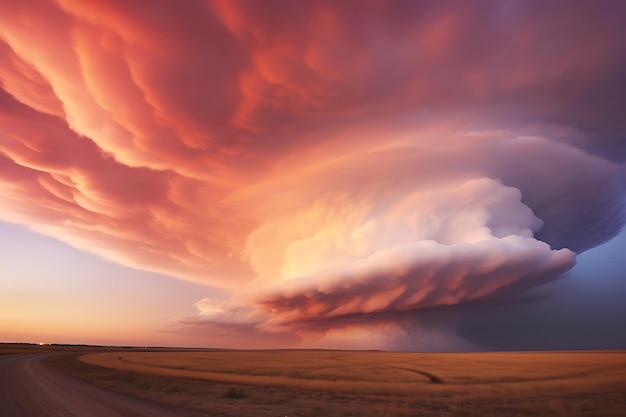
pixel 29 388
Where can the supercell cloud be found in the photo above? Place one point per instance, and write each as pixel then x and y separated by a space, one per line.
pixel 344 169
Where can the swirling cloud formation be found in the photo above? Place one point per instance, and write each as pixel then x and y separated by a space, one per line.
pixel 330 164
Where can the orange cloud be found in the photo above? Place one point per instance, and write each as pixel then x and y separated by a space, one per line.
pixel 326 163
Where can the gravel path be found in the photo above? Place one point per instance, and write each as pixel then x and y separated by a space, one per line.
pixel 29 388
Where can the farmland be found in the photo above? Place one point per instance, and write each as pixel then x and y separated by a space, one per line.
pixel 368 383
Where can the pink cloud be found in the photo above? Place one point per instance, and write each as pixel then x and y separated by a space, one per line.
pixel 320 161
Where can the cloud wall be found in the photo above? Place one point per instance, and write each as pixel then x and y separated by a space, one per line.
pixel 331 166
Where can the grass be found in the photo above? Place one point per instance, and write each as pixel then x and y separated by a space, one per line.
pixel 370 384
pixel 234 392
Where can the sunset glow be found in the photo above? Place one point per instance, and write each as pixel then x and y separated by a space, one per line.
pixel 380 174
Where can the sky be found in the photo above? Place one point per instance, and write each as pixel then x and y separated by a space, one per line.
pixel 412 175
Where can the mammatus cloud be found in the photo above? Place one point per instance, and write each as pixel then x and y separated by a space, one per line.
pixel 332 167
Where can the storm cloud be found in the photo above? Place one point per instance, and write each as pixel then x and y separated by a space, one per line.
pixel 335 166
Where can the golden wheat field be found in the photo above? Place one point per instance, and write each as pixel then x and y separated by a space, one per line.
pixel 372 383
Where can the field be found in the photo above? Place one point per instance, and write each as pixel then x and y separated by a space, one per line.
pixel 365 383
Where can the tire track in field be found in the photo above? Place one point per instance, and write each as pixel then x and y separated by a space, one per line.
pixel 434 379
